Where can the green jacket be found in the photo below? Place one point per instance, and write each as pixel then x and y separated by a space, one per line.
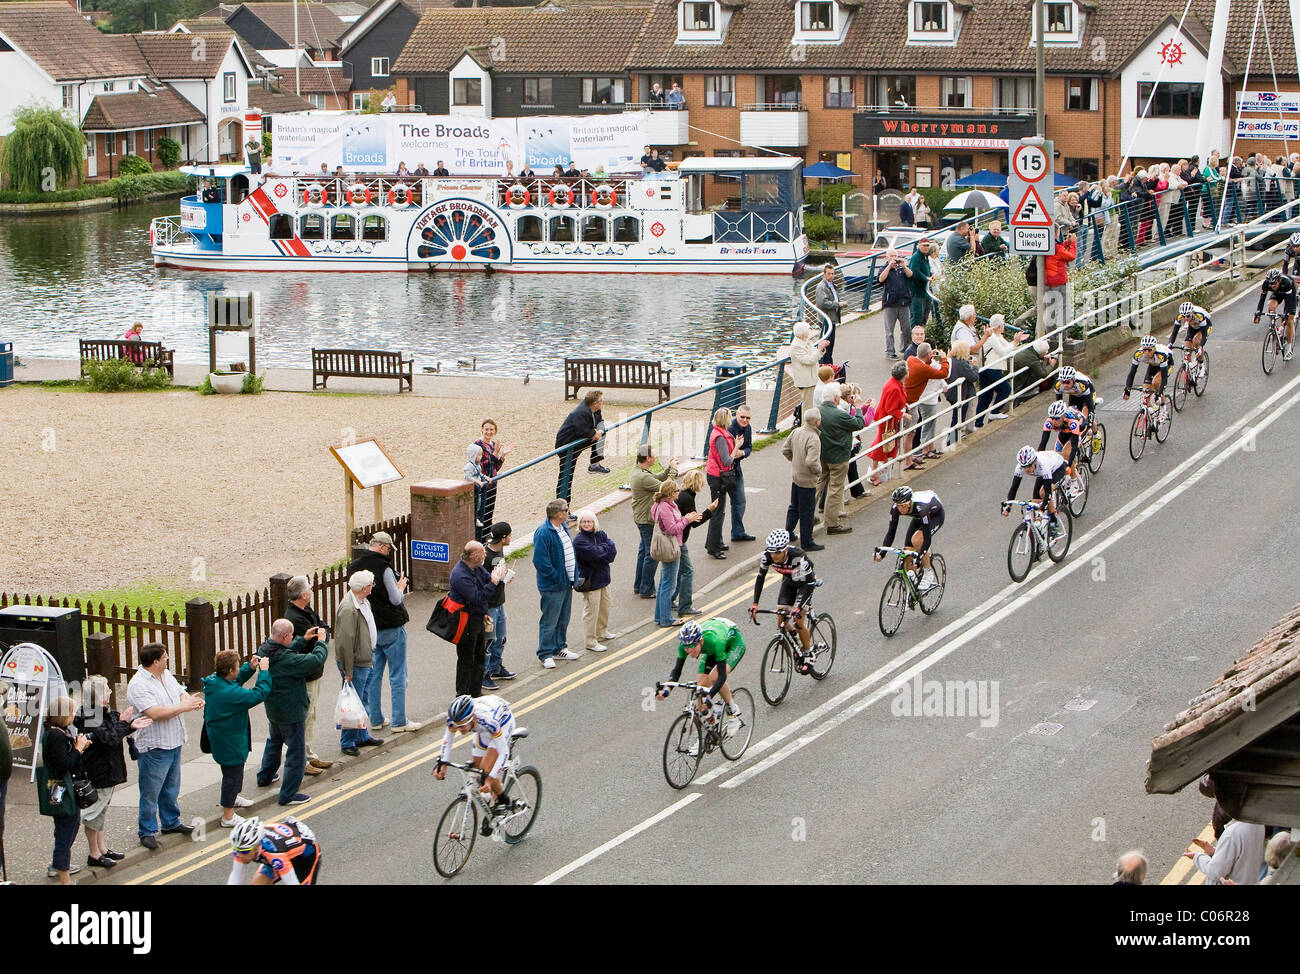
pixel 993 245
pixel 837 431
pixel 644 485
pixel 226 704
pixel 1027 358
pixel 920 267
pixel 291 667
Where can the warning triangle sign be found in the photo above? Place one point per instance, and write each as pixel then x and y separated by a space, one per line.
pixel 1030 211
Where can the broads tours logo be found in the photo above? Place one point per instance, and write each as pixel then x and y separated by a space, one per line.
pixel 99 928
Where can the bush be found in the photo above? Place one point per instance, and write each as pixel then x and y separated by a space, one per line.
pixel 266 145
pixel 121 187
pixel 130 165
pixel 993 286
pixel 119 375
pixel 821 228
pixel 169 152
pixel 206 389
pixel 252 384
pixel 828 197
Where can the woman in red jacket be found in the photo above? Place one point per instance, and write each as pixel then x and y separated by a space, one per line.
pixel 890 412
pixel 1056 266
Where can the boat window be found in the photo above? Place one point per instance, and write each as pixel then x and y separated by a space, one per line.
pixel 238 188
pixel 528 229
pixel 593 229
pixel 627 229
pixel 374 228
pixel 343 226
pixel 312 227
pixel 562 229
pixel 281 226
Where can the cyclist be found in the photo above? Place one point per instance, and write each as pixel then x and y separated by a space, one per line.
pixel 1068 425
pixel 1279 287
pixel 490 720
pixel 1077 389
pixel 1158 360
pixel 1198 324
pixel 1291 260
pixel 797 583
pixel 280 852
pixel 1047 467
pixel 926 511
pixel 718 645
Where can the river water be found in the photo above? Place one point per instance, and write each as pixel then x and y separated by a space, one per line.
pixel 90 275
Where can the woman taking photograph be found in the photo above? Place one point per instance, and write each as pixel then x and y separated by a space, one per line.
pixel 693 483
pixel 62 750
pixel 104 761
pixel 672 523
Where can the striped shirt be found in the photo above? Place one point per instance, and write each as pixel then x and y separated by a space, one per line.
pixel 146 690
pixel 570 559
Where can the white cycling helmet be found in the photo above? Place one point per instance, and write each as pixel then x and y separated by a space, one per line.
pixel 1148 342
pixel 1187 308
pixel 690 633
pixel 778 540
pixel 1056 410
pixel 1294 240
pixel 1067 373
pixel 246 835
pixel 1026 456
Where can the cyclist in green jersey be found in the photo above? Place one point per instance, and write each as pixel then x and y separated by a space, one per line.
pixel 718 645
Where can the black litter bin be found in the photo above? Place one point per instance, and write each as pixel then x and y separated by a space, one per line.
pixel 54 629
pixel 730 391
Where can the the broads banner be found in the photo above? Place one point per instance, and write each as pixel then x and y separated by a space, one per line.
pixel 465 145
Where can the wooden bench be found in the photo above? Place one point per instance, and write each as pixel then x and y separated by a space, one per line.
pixel 360 363
pixel 138 352
pixel 615 373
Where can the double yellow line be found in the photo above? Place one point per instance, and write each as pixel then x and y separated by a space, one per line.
pixel 1178 876
pixel 207 855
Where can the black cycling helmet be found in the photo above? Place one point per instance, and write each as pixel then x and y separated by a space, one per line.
pixel 903 494
pixel 1272 276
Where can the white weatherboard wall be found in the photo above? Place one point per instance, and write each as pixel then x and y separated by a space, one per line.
pixel 1164 136
pixel 208 98
pixel 467 67
pixel 24 83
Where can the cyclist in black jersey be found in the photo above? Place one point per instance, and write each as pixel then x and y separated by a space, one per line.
pixel 1158 360
pixel 1278 287
pixel 1291 259
pixel 797 582
pixel 1080 390
pixel 926 513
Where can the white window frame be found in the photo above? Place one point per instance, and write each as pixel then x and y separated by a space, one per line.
pixel 108 86
pixel 1070 18
pixel 591 89
pixel 467 82
pixel 317 99
pixel 146 140
pixel 539 101
pixel 360 101
pixel 229 89
pixel 379 67
pixel 921 31
pixel 688 28
pixel 805 5
pixel 1023 87
pixel 69 95
pixel 851 91
pixel 720 96
pixel 951 85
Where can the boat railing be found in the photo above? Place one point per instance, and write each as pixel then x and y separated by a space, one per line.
pixel 358 190
pixel 167 232
pixel 579 192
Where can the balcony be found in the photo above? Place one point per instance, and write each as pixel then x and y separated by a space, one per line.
pixel 664 126
pixel 774 124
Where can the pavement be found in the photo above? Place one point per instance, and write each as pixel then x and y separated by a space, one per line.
pixel 1039 780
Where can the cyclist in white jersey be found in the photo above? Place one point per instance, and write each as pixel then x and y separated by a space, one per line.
pixel 1047 467
pixel 489 719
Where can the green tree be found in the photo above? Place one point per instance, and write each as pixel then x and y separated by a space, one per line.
pixel 44 149
pixel 131 16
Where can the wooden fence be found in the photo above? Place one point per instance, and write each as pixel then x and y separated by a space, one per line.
pixel 114 635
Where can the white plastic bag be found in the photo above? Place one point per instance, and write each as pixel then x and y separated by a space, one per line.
pixel 349 714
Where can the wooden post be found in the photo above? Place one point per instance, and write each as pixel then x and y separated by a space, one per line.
pixel 379 503
pixel 101 656
pixel 349 514
pixel 279 595
pixel 201 640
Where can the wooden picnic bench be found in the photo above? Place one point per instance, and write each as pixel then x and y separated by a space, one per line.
pixel 615 373
pixel 361 363
pixel 140 353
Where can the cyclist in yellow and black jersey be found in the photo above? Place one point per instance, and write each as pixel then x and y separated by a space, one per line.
pixel 1157 358
pixel 1199 326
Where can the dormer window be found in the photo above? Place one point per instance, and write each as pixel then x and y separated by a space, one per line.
pixel 698 16
pixel 816 15
pixel 1058 18
pixel 701 22
pixel 930 17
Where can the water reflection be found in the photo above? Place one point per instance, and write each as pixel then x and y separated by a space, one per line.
pixel 91 274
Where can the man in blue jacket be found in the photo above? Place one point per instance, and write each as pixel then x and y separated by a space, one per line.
pixel 473 587
pixel 557 570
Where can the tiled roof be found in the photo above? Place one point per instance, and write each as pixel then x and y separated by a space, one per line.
pixel 66 46
pixel 366 22
pixel 318 26
pixel 316 79
pixel 276 102
pixel 209 25
pixel 581 37
pixel 139 109
pixel 176 57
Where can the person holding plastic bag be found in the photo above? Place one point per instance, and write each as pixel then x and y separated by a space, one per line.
pixel 354 643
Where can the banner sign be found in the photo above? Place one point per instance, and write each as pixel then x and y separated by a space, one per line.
pixel 1268 128
pixel 908 130
pixel 1268 101
pixel 465 145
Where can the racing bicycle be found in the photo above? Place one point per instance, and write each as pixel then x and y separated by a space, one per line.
pixel 1038 533
pixel 697 732
pixel 1092 444
pixel 902 591
pixel 779 658
pixel 1153 418
pixel 458 827
pixel 1192 375
pixel 1274 341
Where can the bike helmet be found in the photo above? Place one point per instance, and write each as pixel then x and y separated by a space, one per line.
pixel 690 633
pixel 903 495
pixel 1187 308
pixel 461 709
pixel 1272 275
pixel 1056 410
pixel 1148 342
pixel 246 836
pixel 778 540
pixel 1294 240
pixel 1067 374
pixel 1026 456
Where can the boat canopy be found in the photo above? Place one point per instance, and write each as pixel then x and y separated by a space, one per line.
pixel 703 164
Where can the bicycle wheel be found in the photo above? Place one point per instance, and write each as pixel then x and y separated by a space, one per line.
pixel 930 598
pixel 736 743
pixel 893 604
pixel 454 840
pixel 1020 553
pixel 1097 453
pixel 1137 437
pixel 1203 377
pixel 1272 350
pixel 823 640
pixel 1164 420
pixel 778 669
pixel 1080 500
pixel 525 785
pixel 1059 546
pixel 1181 384
pixel 683 748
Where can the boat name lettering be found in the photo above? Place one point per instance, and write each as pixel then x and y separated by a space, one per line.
pixel 747 250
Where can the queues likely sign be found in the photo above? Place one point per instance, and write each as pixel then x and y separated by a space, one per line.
pixel 1029 187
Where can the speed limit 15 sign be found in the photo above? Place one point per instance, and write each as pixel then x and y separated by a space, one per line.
pixel 1029 162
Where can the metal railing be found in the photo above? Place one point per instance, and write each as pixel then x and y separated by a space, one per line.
pixel 167 232
pixel 944 110
pixel 774 106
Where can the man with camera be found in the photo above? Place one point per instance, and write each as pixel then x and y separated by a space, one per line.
pixel 308 624
pixel 896 299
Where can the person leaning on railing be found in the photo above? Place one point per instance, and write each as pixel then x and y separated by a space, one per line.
pixel 919 265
